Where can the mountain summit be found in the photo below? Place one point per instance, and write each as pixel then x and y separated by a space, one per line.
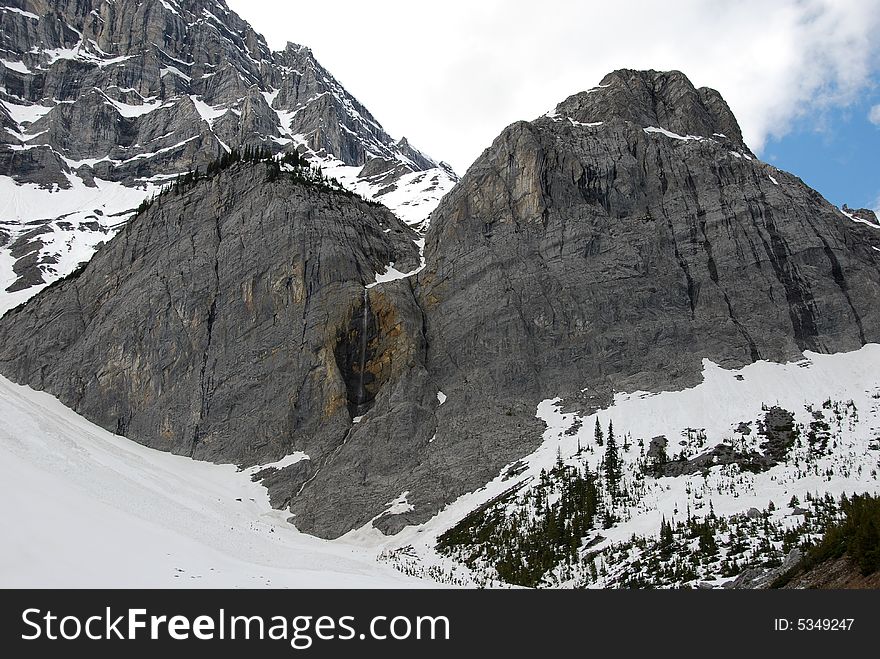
pixel 653 99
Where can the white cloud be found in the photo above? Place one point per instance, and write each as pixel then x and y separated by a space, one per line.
pixel 451 75
pixel 874 115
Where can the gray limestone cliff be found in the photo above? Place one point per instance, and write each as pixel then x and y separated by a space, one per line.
pixel 218 323
pixel 611 245
pixel 610 249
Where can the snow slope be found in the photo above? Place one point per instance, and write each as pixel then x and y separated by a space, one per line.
pixel 84 508
pixel 412 198
pixel 76 220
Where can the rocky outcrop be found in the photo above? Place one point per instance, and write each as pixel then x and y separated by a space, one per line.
pixel 208 327
pixel 659 99
pixel 863 214
pixel 778 430
pixel 762 578
pixel 834 574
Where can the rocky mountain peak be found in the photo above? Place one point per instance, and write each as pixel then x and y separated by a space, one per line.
pixel 862 214
pixel 102 102
pixel 291 47
pixel 656 99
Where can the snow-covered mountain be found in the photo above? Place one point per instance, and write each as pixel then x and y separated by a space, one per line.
pixel 104 101
pixel 625 352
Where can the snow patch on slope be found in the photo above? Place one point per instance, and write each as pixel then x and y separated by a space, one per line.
pixel 86 508
pixel 22 12
pixel 716 407
pixel 22 114
pixel 28 201
pixel 130 111
pixel 670 134
pixel 208 112
pixel 860 220
pixel 412 198
pixel 284 462
pixel 15 66
pixel 79 218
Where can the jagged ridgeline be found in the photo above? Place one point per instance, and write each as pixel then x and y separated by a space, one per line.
pixel 290 165
pixel 104 103
pixel 609 246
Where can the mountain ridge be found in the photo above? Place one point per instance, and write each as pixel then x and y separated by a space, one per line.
pixel 102 103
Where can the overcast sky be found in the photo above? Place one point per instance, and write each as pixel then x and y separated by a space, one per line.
pixel 451 75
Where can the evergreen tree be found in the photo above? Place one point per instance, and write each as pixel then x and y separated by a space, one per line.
pixel 612 462
pixel 708 544
pixel 272 171
pixel 599 438
pixel 666 538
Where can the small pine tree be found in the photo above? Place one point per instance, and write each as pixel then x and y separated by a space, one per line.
pixel 599 436
pixel 612 462
pixel 666 538
pixel 708 544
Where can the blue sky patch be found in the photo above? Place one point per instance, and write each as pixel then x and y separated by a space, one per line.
pixel 835 153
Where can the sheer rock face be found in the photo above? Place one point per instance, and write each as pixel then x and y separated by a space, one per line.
pixel 208 326
pixel 611 245
pixel 618 258
pixel 578 258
